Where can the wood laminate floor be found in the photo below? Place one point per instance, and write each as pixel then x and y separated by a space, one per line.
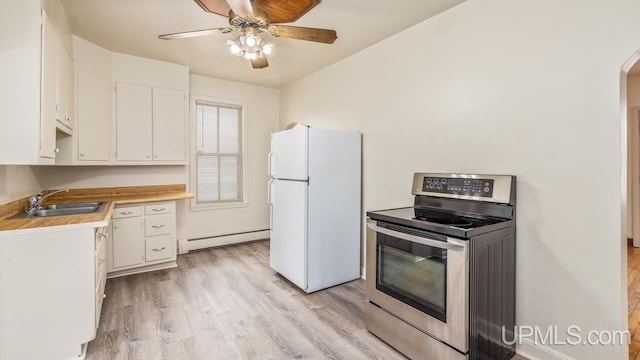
pixel 227 303
pixel 633 283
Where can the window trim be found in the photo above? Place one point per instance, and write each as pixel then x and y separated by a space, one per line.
pixel 194 205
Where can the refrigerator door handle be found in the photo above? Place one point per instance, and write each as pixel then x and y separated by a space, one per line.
pixel 270 164
pixel 270 185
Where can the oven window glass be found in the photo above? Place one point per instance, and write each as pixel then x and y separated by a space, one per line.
pixel 413 273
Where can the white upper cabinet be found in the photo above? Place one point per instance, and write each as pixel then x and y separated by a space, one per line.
pixel 169 127
pixel 134 119
pixel 49 87
pixel 94 118
pixel 150 123
pixel 89 105
pixel 65 91
pixel 151 111
pixel 130 110
pixel 29 81
pixel 29 86
pixel 58 93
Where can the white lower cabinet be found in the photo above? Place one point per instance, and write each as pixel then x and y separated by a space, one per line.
pixel 143 238
pixel 52 283
pixel 127 247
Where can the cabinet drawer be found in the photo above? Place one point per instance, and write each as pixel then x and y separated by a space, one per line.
pixel 125 212
pixel 159 225
pixel 160 208
pixel 159 248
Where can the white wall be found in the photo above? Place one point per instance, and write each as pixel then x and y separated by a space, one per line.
pixel 262 119
pixel 530 88
pixel 17 181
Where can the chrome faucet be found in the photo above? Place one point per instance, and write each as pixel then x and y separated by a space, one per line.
pixel 35 203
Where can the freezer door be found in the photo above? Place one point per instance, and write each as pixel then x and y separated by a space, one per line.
pixel 288 157
pixel 288 255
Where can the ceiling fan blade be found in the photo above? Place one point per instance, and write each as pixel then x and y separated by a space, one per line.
pixel 219 7
pixel 260 62
pixel 302 33
pixel 241 8
pixel 195 33
pixel 285 11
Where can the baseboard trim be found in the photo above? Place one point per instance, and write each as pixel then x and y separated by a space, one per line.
pixel 533 351
pixel 185 245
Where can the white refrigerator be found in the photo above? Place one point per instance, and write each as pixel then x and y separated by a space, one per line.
pixel 315 202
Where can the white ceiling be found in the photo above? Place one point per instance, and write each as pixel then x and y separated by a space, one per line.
pixel 132 27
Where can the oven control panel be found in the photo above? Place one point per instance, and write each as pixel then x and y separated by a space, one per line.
pixel 477 187
pixel 458 186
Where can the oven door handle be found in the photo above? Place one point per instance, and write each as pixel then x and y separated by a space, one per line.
pixel 416 239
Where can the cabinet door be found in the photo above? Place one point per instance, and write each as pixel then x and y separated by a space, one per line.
pixel 133 122
pixel 94 117
pixel 48 88
pixel 71 77
pixel 168 124
pixel 61 98
pixel 128 242
pixel 65 86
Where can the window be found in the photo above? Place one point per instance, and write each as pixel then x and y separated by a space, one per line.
pixel 218 152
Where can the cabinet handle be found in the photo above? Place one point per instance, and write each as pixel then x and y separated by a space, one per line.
pixel 159 249
pixel 126 212
pixel 158 210
pixel 103 297
pixel 102 261
pixel 81 154
pixel 148 156
pixel 157 226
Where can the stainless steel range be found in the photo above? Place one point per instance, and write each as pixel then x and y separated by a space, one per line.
pixel 441 274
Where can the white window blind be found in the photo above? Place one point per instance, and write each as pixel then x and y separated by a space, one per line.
pixel 219 152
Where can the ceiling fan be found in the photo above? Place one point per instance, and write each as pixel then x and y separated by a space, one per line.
pixel 250 18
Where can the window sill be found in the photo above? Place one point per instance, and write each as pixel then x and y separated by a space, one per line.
pixel 217 206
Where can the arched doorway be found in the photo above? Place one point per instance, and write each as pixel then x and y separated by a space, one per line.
pixel 630 114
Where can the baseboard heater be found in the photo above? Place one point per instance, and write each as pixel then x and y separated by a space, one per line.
pixel 186 245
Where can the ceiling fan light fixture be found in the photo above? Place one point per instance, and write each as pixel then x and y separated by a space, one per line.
pixel 248 21
pixel 250 40
pixel 234 47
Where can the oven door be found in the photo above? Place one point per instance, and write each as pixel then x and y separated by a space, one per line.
pixel 421 278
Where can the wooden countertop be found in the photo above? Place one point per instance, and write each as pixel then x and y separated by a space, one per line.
pixel 111 196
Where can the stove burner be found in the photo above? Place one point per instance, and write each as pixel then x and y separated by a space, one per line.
pixel 453 221
pixel 447 218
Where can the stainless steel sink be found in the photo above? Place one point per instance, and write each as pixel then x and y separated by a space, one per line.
pixel 62 209
pixel 71 206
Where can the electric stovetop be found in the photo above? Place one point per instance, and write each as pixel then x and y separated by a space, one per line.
pixel 455 224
